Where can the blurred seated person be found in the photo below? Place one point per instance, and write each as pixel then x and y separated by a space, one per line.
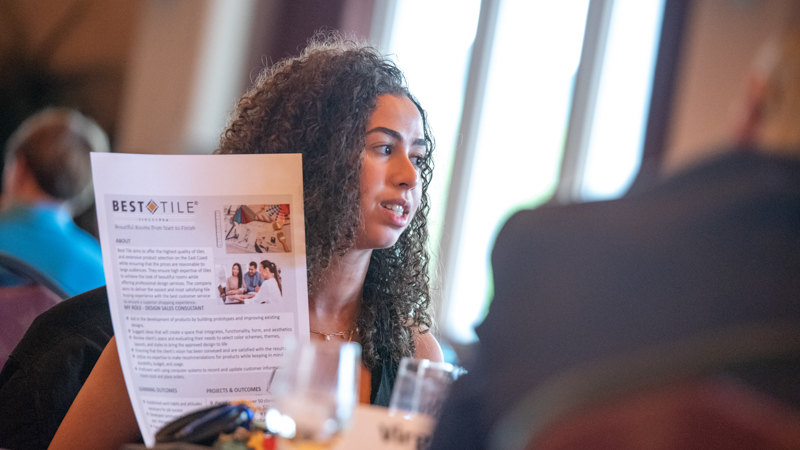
pixel 252 279
pixel 271 290
pixel 236 289
pixel 47 167
pixel 714 249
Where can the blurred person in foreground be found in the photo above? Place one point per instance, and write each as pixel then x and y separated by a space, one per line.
pixel 47 174
pixel 710 251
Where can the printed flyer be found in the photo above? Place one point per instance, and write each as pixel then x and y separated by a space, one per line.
pixel 205 266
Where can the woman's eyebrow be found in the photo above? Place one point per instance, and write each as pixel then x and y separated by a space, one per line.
pixel 385 130
pixel 394 134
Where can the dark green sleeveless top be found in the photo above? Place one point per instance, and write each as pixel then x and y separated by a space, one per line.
pixel 383 376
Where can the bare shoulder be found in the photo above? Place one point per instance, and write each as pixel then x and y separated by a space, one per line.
pixel 427 347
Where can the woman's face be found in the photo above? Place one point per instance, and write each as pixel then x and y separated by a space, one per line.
pixel 265 273
pixel 236 271
pixel 390 183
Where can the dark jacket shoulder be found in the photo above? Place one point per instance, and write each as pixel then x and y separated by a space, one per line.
pixel 48 367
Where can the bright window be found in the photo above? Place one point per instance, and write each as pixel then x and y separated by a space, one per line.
pixel 536 48
pixel 432 42
pixel 522 127
pixel 617 137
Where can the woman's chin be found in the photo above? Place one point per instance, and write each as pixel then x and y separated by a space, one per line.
pixel 376 242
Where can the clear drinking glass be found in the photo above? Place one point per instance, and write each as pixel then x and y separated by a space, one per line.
pixel 316 393
pixel 421 387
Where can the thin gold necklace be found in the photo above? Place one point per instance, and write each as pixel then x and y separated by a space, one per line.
pixel 341 334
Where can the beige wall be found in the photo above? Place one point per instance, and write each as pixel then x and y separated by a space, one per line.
pixel 162 76
pixel 92 52
pixel 103 34
pixel 185 75
pixel 722 40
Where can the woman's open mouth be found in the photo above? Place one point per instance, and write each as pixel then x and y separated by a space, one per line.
pixel 398 208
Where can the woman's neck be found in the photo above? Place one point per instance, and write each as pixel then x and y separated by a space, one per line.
pixel 334 305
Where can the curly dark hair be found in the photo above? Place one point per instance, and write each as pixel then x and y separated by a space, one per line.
pixel 319 104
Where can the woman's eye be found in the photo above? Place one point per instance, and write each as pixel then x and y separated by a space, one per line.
pixel 416 160
pixel 385 149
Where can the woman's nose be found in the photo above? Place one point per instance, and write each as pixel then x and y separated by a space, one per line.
pixel 405 173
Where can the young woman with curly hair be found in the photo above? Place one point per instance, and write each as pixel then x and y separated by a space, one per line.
pixel 366 151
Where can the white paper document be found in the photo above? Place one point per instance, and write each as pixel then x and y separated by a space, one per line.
pixel 178 235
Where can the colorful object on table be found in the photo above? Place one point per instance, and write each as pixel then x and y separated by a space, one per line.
pixel 243 439
pixel 244 214
pixel 273 212
pixel 282 238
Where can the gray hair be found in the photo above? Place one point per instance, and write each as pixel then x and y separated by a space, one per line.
pixel 55 144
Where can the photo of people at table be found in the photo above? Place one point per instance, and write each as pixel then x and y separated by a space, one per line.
pixel 261 228
pixel 252 283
